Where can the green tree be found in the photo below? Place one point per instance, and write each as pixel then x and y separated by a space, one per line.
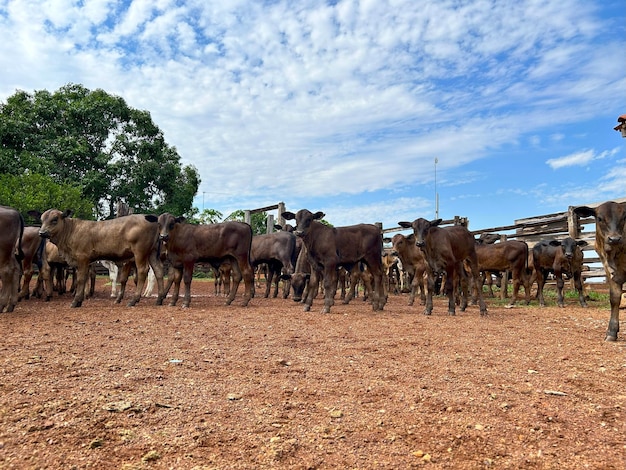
pixel 38 192
pixel 114 153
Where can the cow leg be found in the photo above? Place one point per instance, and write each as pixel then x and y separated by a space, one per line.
pixel 313 289
pixel 541 281
pixel 44 280
pixel 269 278
pixel 559 288
pixel 10 276
pixel 615 295
pixel 174 276
pixel 330 287
pixel 245 271
pixel 430 286
pixel 473 264
pixel 81 279
pixel 159 272
pixel 237 276
pixel 579 287
pixel 187 277
pixel 123 274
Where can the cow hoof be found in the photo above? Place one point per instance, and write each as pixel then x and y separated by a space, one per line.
pixel 159 301
pixel 75 304
pixel 172 304
pixel 228 301
pixel 610 338
pixel 326 310
pixel 307 308
pixel 10 308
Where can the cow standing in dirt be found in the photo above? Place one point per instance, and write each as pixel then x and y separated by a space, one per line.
pixel 445 250
pixel 611 247
pixel 83 241
pixel 278 251
pixel 330 248
pixel 11 254
pixel 559 257
pixel 188 244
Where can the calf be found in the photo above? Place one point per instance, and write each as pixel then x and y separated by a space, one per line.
pixel 445 250
pixel 188 244
pixel 332 247
pixel 511 256
pixel 413 262
pixel 559 257
pixel 611 248
pixel 278 250
pixel 11 255
pixel 82 242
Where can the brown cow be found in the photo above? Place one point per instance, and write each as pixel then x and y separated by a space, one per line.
pixel 445 250
pixel 278 251
pixel 330 248
pixel 83 241
pixel 611 247
pixel 559 257
pixel 413 263
pixel 11 254
pixel 188 244
pixel 33 246
pixel 511 256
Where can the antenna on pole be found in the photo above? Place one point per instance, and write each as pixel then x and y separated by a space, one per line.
pixel 436 193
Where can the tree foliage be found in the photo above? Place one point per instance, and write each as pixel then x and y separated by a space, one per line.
pixel 32 191
pixel 95 142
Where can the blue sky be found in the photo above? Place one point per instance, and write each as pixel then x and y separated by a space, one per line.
pixel 343 106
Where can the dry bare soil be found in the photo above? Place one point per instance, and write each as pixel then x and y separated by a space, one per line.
pixel 269 386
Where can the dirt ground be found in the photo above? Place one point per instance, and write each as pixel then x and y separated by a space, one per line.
pixel 270 386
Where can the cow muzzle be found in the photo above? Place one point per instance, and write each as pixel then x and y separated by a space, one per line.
pixel 164 238
pixel 420 243
pixel 44 234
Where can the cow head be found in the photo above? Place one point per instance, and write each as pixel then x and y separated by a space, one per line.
pixel 52 223
pixel 303 219
pixel 487 238
pixel 420 227
pixel 610 221
pixel 568 245
pixel 167 223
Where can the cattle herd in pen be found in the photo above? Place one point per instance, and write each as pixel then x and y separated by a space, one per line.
pixel 311 258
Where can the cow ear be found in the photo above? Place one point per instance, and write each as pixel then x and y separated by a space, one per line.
pixel 152 218
pixel 434 223
pixel 386 240
pixel 318 215
pixel 278 227
pixel 67 213
pixel 289 215
pixel 554 243
pixel 179 219
pixel 582 243
pixel 410 237
pixel 584 211
pixel 405 224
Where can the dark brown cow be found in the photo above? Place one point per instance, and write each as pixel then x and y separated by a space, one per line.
pixel 83 241
pixel 559 257
pixel 278 251
pixel 413 263
pixel 34 250
pixel 11 254
pixel 511 256
pixel 330 248
pixel 188 244
pixel 611 248
pixel 445 250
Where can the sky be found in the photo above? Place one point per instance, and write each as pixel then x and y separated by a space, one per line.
pixel 369 111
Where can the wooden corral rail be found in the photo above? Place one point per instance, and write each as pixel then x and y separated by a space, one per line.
pixel 270 218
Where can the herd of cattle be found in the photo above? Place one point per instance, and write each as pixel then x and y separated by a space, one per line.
pixel 309 258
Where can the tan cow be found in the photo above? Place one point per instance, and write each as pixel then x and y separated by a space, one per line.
pixel 84 241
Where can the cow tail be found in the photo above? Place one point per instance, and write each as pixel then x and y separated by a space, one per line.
pixel 20 251
pixel 40 253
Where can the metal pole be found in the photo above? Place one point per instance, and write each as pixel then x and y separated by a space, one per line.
pixel 436 193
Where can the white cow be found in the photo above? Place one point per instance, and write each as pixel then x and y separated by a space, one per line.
pixel 113 275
